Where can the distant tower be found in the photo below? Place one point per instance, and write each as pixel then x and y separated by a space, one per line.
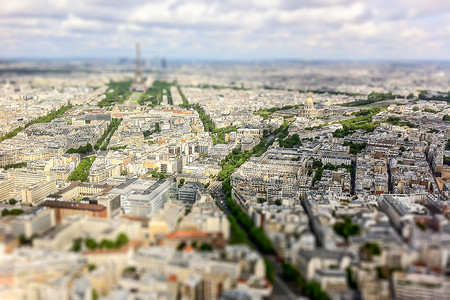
pixel 138 78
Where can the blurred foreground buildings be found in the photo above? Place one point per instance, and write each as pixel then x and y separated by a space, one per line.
pixel 144 197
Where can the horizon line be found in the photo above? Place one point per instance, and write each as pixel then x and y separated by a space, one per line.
pixel 218 60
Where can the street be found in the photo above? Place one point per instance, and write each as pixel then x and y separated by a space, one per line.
pixel 280 289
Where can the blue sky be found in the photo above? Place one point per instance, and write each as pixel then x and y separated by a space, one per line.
pixel 227 29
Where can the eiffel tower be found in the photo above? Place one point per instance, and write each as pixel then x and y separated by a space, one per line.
pixel 139 80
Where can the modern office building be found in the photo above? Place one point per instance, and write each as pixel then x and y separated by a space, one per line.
pixel 36 193
pixel 188 192
pixel 143 198
pixel 38 222
pixel 6 187
pixel 419 285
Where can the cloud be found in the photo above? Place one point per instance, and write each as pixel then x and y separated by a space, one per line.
pixel 219 29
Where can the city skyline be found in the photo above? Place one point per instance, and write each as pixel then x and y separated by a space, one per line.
pixel 228 30
pixel 221 150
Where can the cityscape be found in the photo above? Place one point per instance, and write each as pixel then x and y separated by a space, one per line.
pixel 149 176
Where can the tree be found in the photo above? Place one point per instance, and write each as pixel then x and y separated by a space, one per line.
pixel 181 182
pixel 312 290
pixel 317 164
pixel 107 244
pixel 82 149
pixel 258 234
pixel 270 270
pixel 351 282
pixel 22 239
pixel 289 271
pixel 205 247
pixel 76 247
pixel 346 228
pixel 236 151
pixel 355 148
pixel 238 236
pixel 370 249
pixel 130 269
pixel 12 212
pixel 12 201
pixel 90 243
pixel 122 239
pixel 81 173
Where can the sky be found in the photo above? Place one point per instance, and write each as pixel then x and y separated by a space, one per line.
pixel 227 29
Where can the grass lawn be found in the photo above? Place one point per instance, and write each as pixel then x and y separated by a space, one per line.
pixel 134 98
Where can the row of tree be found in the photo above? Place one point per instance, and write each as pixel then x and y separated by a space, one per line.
pixel 423 95
pixel 183 98
pixel 103 141
pixel 91 244
pixel 16 165
pixel 236 158
pixel 363 120
pixel 290 142
pixel 355 148
pixel 266 112
pixel 310 289
pixel 255 232
pixel 81 173
pixel 399 122
pixel 155 93
pixel 218 135
pixel 82 149
pixel 207 123
pixel 12 212
pixel 47 118
pixel 148 133
pixel 117 92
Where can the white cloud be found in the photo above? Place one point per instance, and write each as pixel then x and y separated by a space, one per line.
pixel 205 28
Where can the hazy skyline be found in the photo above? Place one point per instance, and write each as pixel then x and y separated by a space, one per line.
pixel 227 29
